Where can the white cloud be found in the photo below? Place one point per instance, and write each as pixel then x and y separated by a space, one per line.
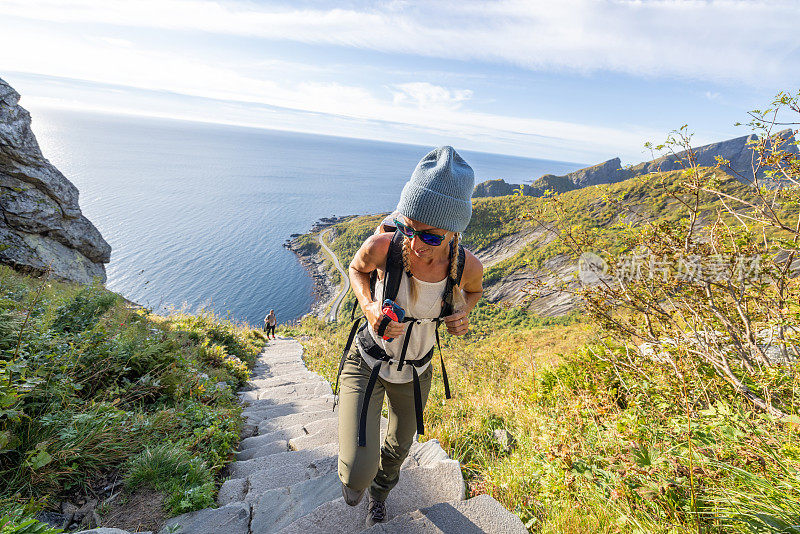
pixel 426 95
pixel 722 40
pixel 709 40
pixel 420 105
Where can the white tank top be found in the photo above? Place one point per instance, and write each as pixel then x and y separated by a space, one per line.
pixel 428 305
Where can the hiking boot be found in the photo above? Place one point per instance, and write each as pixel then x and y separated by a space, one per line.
pixel 376 512
pixel 351 496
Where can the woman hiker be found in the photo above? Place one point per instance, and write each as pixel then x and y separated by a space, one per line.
pixel 269 323
pixel 434 208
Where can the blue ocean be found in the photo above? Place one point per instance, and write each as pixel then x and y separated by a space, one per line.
pixel 196 214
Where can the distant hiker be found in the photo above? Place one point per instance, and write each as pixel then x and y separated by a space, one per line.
pixel 269 323
pixel 422 268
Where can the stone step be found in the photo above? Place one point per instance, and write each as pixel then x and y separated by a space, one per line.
pixel 273 447
pixel 277 508
pixel 264 464
pixel 256 415
pixel 283 434
pixel 319 431
pixel 232 490
pixel 299 401
pixel 289 391
pixel 236 489
pixel 279 355
pixel 293 378
pixel 287 473
pixel 425 453
pixel 282 345
pixel 418 487
pixel 481 514
pixel 313 425
pixel 283 371
pixel 274 363
pixel 258 382
pixel 231 519
pixel 285 366
pixel 272 424
pixel 322 431
pixel 268 384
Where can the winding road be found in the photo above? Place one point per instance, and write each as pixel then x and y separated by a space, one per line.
pixel 334 310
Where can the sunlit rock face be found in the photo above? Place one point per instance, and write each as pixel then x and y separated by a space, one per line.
pixel 42 224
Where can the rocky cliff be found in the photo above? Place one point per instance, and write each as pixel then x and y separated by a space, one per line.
pixel 499 188
pixel 42 224
pixel 738 151
pixel 608 172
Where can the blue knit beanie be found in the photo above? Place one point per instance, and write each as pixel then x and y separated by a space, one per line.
pixel 439 192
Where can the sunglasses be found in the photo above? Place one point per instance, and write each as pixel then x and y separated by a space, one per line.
pixel 428 238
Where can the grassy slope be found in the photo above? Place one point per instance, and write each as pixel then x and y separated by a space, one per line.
pixel 95 388
pixel 589 208
pixel 595 449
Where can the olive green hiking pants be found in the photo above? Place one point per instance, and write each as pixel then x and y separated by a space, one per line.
pixel 376 465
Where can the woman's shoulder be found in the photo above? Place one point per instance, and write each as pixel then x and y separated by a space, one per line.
pixel 472 265
pixel 377 245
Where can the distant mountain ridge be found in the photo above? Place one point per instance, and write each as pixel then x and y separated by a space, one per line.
pixel 736 150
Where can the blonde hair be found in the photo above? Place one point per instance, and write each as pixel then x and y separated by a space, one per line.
pixel 457 296
pixel 412 284
pixel 452 273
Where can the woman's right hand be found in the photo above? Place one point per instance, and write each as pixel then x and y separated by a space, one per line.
pixel 373 313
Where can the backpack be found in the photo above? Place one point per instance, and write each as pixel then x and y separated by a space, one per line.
pixel 391 285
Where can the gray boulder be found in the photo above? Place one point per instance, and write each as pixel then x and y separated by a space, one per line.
pixel 42 223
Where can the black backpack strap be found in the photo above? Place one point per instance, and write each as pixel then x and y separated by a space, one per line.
pixel 441 359
pixel 362 420
pixel 385 320
pixel 373 277
pixel 367 343
pixel 405 345
pixel 417 401
pixel 393 272
pixel 347 346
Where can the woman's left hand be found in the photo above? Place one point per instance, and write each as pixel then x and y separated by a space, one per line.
pixel 458 323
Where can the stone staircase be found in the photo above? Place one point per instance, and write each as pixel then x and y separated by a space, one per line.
pixel 285 479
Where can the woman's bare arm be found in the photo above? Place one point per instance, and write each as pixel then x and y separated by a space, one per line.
pixel 371 256
pixel 472 288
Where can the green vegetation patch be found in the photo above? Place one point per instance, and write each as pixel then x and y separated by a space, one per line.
pixel 90 386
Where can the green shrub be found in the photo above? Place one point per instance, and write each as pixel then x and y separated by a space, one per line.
pixel 20 524
pixel 90 383
pixel 167 467
pixel 82 312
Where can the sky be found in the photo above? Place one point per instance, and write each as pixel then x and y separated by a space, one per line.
pixel 570 80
